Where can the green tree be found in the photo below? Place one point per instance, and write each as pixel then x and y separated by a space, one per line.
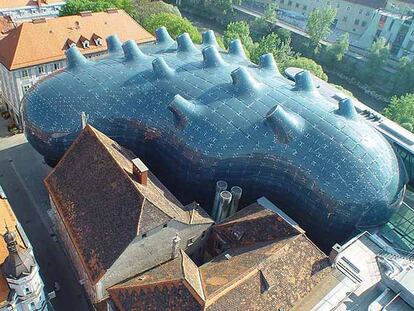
pixel 336 51
pixel 176 25
pixel 265 23
pixel 404 76
pixel 401 110
pixel 73 7
pixel 146 8
pixel 319 25
pixel 307 64
pixel 271 43
pixel 239 30
pixel 378 56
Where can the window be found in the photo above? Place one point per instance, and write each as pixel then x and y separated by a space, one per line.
pixel 305 7
pixel 144 235
pixel 290 3
pixel 26 291
pixel 360 11
pixel 364 24
pixel 412 33
pixel 348 8
pixel 410 45
pixel 26 88
pixel 56 66
pixel 356 22
pixel 282 1
pixel 25 73
pixel 190 242
pixel 41 70
pixel 297 5
pixel 344 19
pixel 337 5
pixel 85 44
pixel 367 14
pixel 165 225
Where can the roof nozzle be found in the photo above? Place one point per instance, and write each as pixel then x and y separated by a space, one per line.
pixel 185 44
pixel 132 51
pixel 284 125
pixel 209 38
pixel 163 36
pixel 181 108
pixel 243 81
pixel 347 109
pixel 75 58
pixel 211 57
pixel 236 48
pixel 114 44
pixel 161 68
pixel 304 82
pixel 267 62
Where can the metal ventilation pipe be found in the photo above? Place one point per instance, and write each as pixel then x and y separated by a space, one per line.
pixel 224 205
pixel 221 185
pixel 236 193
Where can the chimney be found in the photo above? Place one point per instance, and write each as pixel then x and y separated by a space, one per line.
pixel 221 185
pixel 224 206
pixel 175 246
pixel 236 193
pixel 336 250
pixel 140 171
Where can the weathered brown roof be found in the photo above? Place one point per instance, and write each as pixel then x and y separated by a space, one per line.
pixel 38 43
pixel 376 4
pixel 170 286
pixel 256 274
pixel 102 204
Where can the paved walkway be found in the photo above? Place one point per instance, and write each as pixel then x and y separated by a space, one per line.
pixel 22 171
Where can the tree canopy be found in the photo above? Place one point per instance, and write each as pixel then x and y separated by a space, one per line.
pixel 176 25
pixel 319 25
pixel 337 50
pixel 239 30
pixel 307 64
pixel 378 56
pixel 404 77
pixel 73 7
pixel 401 110
pixel 265 23
pixel 271 43
pixel 145 9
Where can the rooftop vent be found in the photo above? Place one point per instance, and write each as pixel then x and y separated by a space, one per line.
pixel 85 13
pixel 227 256
pixel 112 10
pixel 39 20
pixel 140 171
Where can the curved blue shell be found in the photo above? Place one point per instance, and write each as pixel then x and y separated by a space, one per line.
pixel 197 114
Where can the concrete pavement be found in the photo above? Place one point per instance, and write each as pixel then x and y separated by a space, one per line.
pixel 22 171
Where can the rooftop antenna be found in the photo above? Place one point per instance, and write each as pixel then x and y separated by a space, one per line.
pixel 84 119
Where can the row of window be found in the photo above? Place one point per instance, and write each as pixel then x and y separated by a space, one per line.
pixel 305 7
pixel 40 70
pixel 357 22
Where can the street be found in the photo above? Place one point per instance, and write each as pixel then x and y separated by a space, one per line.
pixel 21 175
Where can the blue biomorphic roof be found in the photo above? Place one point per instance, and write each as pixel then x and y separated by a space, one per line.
pixel 197 114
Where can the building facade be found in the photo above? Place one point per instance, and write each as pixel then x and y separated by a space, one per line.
pixel 26 10
pixel 21 287
pixel 25 60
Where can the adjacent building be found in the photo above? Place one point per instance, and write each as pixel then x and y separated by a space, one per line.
pixel 21 287
pixel 25 10
pixel 35 49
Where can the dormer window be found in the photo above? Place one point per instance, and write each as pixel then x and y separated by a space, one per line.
pixel 85 44
pixel 70 43
pixel 98 41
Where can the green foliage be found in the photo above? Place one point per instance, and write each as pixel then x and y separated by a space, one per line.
pixel 220 42
pixel 73 7
pixel 223 5
pixel 145 9
pixel 176 25
pixel 307 64
pixel 319 25
pixel 343 90
pixel 378 56
pixel 239 30
pixel 336 51
pixel 281 51
pixel 404 77
pixel 265 23
pixel 401 110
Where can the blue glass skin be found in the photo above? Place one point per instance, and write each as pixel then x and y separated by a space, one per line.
pixel 196 115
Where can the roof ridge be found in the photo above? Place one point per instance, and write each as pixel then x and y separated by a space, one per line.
pixel 17 31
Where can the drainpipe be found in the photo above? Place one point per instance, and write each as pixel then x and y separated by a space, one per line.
pixel 236 193
pixel 221 185
pixel 224 206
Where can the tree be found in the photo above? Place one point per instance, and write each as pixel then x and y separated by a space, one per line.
pixel 378 56
pixel 307 64
pixel 336 51
pixel 145 9
pixel 281 51
pixel 265 23
pixel 176 25
pixel 319 25
pixel 404 76
pixel 401 110
pixel 73 7
pixel 239 30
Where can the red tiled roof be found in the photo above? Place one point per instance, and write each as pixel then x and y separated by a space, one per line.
pixel 38 43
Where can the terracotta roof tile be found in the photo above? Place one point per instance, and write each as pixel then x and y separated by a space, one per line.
pixel 38 43
pixel 102 204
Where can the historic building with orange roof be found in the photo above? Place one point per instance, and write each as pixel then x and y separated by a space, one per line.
pixel 32 50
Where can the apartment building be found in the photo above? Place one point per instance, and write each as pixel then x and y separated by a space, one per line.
pixel 35 49
pixel 24 10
